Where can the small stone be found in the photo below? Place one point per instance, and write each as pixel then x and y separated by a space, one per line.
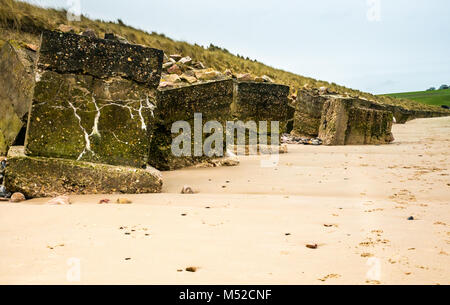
pixel 123 201
pixel 191 269
pixel 66 28
pixel 187 190
pixel 267 79
pixel 185 60
pixel 312 246
pixel 228 72
pixel 171 78
pixel 89 33
pixel 167 65
pixel 60 200
pixel 104 201
pixel 31 47
pixel 112 36
pixel 245 77
pixel 17 197
pixel 175 69
pixel 410 218
pixel 175 57
pixel 198 65
pixel 189 79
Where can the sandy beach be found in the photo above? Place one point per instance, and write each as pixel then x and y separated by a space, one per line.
pixel 251 225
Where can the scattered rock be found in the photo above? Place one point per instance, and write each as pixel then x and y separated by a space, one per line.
pixel 123 201
pixel 89 33
pixel 189 79
pixel 267 79
pixel 31 47
pixel 175 69
pixel 18 197
pixel 60 200
pixel 171 78
pixel 198 65
pixel 185 60
pixel 104 201
pixel 291 139
pixel 245 77
pixel 208 74
pixel 3 192
pixel 187 190
pixel 228 72
pixel 312 246
pixel 167 65
pixel 410 218
pixel 191 269
pixel 112 36
pixel 176 57
pixel 66 28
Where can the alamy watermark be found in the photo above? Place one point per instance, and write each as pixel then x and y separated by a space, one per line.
pixel 221 139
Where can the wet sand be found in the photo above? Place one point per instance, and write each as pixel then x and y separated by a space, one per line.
pixel 250 224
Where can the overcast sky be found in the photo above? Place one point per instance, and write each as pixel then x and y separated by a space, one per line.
pixel 378 46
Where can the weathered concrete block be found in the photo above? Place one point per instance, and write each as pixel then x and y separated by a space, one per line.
pixel 254 101
pixel 47 177
pixel 308 111
pixel 89 119
pixel 343 123
pixel 213 100
pixel 16 91
pixel 70 53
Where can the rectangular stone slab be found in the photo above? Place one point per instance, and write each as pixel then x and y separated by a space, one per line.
pixel 16 92
pixel 254 101
pixel 308 111
pixel 343 122
pixel 48 177
pixel 89 119
pixel 212 99
pixel 70 53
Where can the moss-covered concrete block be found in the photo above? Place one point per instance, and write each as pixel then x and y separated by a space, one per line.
pixel 345 122
pixel 16 91
pixel 308 111
pixel 47 177
pixel 254 101
pixel 70 53
pixel 212 99
pixel 89 119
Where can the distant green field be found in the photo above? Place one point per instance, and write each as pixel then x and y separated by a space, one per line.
pixel 436 97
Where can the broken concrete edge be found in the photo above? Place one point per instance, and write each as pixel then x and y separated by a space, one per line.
pixel 345 122
pixel 71 53
pixel 37 177
pixel 309 105
pixel 16 91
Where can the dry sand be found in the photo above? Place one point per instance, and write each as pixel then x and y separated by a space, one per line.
pixel 251 225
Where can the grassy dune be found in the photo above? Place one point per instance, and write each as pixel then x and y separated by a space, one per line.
pixel 437 97
pixel 23 22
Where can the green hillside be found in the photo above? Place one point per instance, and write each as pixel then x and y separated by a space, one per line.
pixel 436 97
pixel 23 22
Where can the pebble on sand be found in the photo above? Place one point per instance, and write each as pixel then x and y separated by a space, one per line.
pixel 123 201
pixel 191 269
pixel 312 246
pixel 187 190
pixel 18 197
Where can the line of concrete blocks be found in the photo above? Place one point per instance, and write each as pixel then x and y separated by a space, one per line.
pixel 339 120
pixel 96 101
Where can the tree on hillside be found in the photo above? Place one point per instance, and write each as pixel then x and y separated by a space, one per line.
pixel 431 89
pixel 443 87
